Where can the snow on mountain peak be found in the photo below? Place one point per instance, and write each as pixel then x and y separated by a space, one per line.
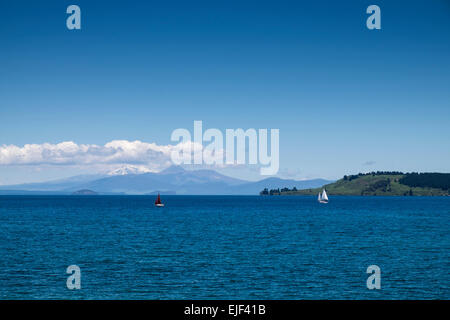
pixel 129 169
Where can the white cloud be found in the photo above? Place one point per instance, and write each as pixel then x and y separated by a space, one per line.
pixel 148 157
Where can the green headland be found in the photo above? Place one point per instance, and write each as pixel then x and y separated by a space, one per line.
pixel 380 183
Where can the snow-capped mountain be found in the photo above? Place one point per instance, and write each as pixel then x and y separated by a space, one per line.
pixel 132 179
pixel 129 169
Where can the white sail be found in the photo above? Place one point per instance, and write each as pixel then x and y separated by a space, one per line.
pixel 324 195
pixel 319 198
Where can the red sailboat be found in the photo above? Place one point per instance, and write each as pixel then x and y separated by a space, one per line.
pixel 158 202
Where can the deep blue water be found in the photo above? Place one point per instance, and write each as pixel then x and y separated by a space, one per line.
pixel 224 247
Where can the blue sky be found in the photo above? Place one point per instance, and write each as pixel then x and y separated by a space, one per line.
pixel 346 99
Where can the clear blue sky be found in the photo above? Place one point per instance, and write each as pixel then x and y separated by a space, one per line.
pixel 345 99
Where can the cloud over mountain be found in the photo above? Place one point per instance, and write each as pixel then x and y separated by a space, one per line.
pixel 118 152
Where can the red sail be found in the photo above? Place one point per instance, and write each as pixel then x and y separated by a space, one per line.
pixel 158 200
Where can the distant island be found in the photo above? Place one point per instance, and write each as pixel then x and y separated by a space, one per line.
pixel 163 193
pixel 380 183
pixel 85 192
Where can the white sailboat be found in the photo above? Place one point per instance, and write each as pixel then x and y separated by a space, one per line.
pixel 323 198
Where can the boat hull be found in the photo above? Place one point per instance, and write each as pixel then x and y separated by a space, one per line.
pixel 159 205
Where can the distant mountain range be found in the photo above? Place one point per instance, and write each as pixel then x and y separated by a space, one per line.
pixel 174 180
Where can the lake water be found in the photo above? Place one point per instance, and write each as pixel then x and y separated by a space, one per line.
pixel 224 247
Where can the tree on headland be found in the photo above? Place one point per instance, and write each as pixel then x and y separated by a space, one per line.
pixel 274 191
pixel 424 180
pixel 277 191
pixel 373 173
